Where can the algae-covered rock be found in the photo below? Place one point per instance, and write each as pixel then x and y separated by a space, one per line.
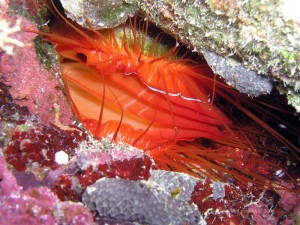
pixel 101 13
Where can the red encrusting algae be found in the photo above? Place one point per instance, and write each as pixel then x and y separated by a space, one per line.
pixel 159 103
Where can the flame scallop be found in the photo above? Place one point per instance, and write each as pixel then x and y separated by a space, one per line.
pixel 123 87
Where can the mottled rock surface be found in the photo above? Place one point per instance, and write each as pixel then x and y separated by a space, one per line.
pixel 144 202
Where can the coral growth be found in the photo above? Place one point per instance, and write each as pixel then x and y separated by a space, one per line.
pixel 143 202
pixel 7 43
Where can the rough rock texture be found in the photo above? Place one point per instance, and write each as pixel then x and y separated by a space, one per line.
pixel 144 202
pixel 179 185
pixel 244 205
pixel 246 81
pixel 101 13
pixel 35 205
pixel 263 37
pixel 47 92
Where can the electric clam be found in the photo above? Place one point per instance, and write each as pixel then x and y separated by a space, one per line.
pixel 125 86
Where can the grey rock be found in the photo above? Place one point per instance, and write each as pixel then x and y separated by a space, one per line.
pixel 237 76
pixel 139 201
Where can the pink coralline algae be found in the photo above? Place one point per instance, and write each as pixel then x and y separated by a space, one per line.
pixel 8 182
pixel 37 205
pixel 31 84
